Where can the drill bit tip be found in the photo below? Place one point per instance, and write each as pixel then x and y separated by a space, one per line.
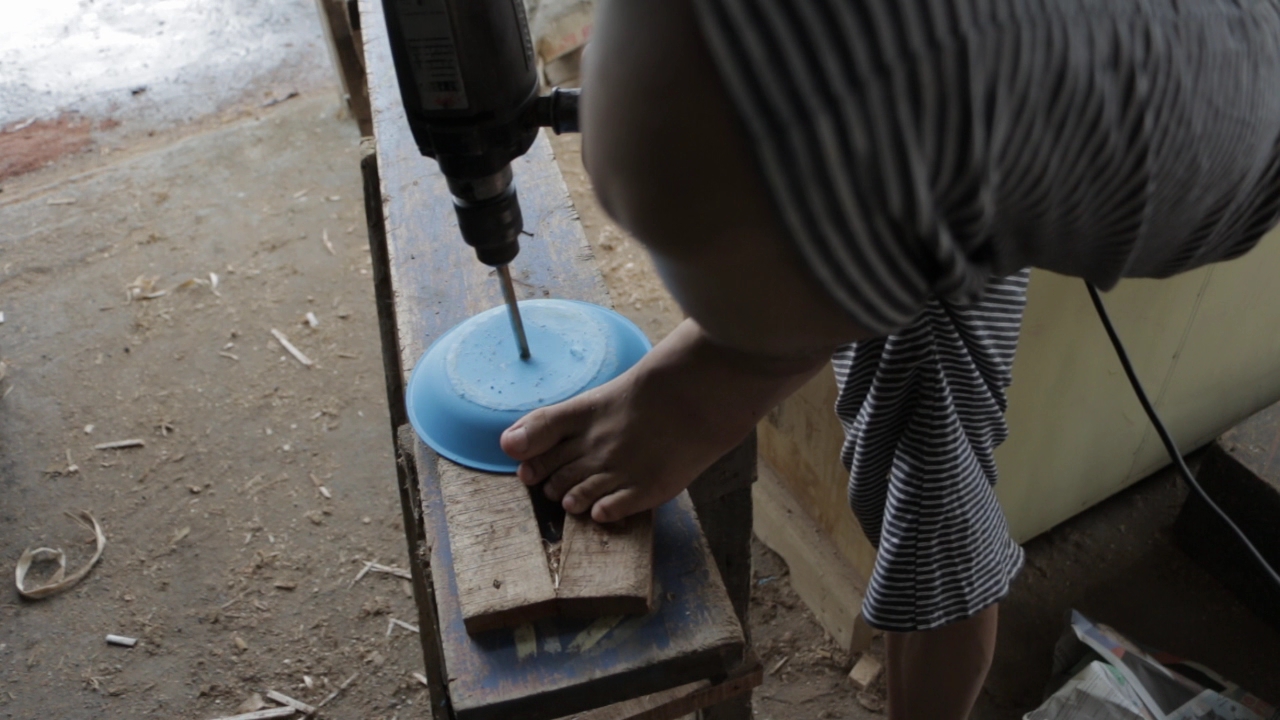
pixel 513 311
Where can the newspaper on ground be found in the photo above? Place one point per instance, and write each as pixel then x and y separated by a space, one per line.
pixel 1112 678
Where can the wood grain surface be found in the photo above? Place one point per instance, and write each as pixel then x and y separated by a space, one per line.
pixel 498 557
pixel 606 569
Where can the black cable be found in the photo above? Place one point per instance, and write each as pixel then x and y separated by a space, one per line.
pixel 1169 444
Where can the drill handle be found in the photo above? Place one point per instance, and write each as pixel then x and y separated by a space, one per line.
pixel 558 110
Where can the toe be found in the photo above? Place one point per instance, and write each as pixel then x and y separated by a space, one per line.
pixel 541 430
pixel 621 504
pixel 540 467
pixel 580 498
pixel 568 477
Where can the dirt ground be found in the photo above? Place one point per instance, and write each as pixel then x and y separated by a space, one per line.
pixel 237 531
pixel 263 487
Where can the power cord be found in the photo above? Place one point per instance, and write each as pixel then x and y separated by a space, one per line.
pixel 1165 437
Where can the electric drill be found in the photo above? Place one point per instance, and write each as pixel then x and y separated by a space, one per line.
pixel 469 83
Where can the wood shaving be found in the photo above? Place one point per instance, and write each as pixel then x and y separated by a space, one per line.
pixel 270 714
pixel 393 623
pixel 59 581
pixel 552 549
pixel 360 575
pixel 295 352
pixel 337 692
pixel 143 288
pixel 389 570
pixel 120 444
pixel 778 665
pixel 298 705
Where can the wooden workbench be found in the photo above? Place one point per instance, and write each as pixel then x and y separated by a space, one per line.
pixel 691 651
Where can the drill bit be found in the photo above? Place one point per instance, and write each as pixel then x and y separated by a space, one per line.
pixel 513 310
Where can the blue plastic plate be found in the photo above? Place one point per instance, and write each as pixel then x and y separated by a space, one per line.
pixel 471 384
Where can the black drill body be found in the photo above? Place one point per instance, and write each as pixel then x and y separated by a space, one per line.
pixel 469 81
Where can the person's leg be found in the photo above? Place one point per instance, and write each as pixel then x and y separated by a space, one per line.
pixel 937 674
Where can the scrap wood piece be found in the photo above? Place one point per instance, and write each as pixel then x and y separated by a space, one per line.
pixel 298 705
pixel 498 560
pixel 295 352
pixel 866 671
pixel 268 714
pixel 121 444
pixel 60 581
pixel 121 640
pixel 606 569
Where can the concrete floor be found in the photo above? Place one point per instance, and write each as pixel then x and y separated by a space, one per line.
pixel 157 64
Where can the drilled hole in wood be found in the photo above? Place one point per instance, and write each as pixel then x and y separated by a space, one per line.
pixel 550 515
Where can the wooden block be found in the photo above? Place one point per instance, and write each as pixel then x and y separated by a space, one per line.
pixel 503 579
pixel 606 569
pixel 820 576
pixel 866 671
pixel 801 440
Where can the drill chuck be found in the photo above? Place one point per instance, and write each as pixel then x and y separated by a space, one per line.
pixel 489 215
pixel 492 227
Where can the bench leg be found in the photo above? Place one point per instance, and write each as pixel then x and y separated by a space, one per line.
pixel 722 497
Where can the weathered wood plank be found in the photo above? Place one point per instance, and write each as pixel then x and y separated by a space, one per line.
pixel 820 575
pixel 503 580
pixel 722 496
pixel 606 569
pixel 572 665
pixel 423 586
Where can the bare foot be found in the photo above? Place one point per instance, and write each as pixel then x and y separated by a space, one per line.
pixel 637 441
